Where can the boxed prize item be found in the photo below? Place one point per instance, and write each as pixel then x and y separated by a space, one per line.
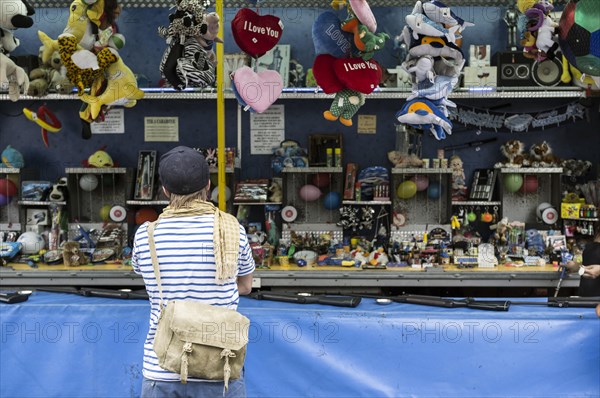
pixel 570 210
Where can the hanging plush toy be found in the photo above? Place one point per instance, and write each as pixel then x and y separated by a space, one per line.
pixel 345 104
pixel 121 89
pixel 186 61
pixel 434 62
pixel 12 77
pixel 14 14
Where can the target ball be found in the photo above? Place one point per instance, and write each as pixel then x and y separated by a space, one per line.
pixel 105 213
pixel 32 242
pixel 406 189
pixel 434 190
pixel 145 214
pixel 88 182
pixel 4 200
pixel 214 196
pixel 512 182
pixel 310 193
pixel 321 180
pixel 421 181
pixel 7 187
pixel 332 200
pixel 530 184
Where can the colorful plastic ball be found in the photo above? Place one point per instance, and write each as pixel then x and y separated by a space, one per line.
pixel 214 196
pixel 310 193
pixel 4 200
pixel 512 182
pixel 332 200
pixel 422 182
pixel 32 242
pixel 406 189
pixel 7 187
pixel 434 190
pixel 88 182
pixel 145 214
pixel 105 213
pixel 530 184
pixel 321 180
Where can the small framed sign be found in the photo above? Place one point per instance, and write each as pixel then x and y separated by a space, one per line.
pixel 146 170
pixel 484 181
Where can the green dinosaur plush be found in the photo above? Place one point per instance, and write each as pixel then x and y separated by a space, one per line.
pixel 345 104
pixel 371 41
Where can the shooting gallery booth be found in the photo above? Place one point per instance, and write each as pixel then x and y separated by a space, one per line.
pixel 413 187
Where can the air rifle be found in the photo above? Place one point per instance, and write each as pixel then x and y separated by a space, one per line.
pixel 434 301
pixel 488 305
pixel 95 292
pixel 338 301
pixel 562 302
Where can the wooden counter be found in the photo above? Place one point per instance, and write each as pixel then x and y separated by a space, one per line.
pixel 118 274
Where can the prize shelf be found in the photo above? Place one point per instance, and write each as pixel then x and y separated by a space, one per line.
pixel 280 3
pixel 311 93
pixel 41 203
pixel 580 219
pixel 367 202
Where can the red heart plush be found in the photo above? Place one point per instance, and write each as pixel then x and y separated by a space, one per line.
pixel 256 34
pixel 357 74
pixel 325 75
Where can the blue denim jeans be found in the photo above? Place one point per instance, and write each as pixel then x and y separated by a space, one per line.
pixel 193 389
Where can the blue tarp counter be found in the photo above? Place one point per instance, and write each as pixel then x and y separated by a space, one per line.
pixel 70 346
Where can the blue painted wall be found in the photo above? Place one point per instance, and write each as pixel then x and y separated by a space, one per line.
pixel 303 117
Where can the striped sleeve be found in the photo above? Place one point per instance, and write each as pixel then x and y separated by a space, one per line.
pixel 245 260
pixel 135 256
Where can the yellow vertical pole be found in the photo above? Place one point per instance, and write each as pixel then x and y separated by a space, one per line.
pixel 221 176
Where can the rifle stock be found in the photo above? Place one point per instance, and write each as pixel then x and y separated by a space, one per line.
pixel 338 301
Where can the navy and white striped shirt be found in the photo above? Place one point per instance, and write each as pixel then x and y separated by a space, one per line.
pixel 185 251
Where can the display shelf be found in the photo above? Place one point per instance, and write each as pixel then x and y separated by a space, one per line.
pixel 532 170
pixel 228 170
pixel 312 93
pixel 312 170
pixel 277 3
pixel 96 170
pixel 257 203
pixel 415 170
pixel 476 203
pixel 367 202
pixel 147 202
pixel 40 203
pixel 9 170
pixel 580 219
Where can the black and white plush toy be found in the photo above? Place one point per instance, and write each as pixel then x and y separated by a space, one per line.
pixel 185 62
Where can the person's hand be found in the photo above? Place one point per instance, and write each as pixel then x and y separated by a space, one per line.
pixel 572 266
pixel 598 310
pixel 591 271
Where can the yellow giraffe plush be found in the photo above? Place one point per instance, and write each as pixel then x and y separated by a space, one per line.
pixel 121 89
pixel 81 14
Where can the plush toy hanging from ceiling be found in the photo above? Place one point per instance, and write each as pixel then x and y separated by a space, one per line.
pixel 88 48
pixel 434 62
pixel 344 65
pixel 14 14
pixel 189 60
pixel 255 34
pixel 539 36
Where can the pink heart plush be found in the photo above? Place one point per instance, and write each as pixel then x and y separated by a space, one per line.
pixel 364 14
pixel 257 90
pixel 357 74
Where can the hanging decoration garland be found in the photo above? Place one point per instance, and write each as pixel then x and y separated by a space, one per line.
pixel 519 121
